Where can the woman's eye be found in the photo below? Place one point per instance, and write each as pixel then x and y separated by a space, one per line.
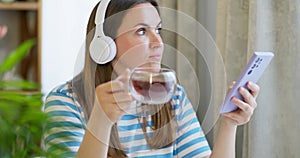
pixel 158 30
pixel 141 31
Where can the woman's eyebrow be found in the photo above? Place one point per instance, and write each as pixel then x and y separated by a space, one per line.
pixel 146 25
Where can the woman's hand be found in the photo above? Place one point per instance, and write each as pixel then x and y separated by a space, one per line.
pixel 246 107
pixel 114 97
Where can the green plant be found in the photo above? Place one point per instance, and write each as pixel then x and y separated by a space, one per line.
pixel 21 115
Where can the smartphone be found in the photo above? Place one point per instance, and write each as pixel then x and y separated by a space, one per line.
pixel 252 72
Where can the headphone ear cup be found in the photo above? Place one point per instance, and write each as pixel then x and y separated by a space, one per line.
pixel 103 49
pixel 112 48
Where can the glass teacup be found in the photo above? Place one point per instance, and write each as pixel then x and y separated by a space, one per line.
pixel 152 85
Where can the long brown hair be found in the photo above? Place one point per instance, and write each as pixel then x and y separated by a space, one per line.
pixel 95 74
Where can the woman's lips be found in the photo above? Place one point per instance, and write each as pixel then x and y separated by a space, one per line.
pixel 155 57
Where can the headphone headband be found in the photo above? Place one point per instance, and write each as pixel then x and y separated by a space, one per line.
pixel 101 10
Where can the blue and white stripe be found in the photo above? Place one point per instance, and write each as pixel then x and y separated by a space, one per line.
pixel 67 127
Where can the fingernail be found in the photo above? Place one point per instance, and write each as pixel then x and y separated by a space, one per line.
pixel 233 99
pixel 240 89
pixel 250 83
pixel 232 83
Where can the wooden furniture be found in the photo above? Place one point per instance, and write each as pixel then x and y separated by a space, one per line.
pixel 29 16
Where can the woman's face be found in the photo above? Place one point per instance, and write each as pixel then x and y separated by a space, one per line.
pixel 138 40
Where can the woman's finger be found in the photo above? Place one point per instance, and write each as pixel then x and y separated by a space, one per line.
pixel 110 87
pixel 124 77
pixel 248 98
pixel 254 89
pixel 122 97
pixel 115 98
pixel 242 105
pixel 231 86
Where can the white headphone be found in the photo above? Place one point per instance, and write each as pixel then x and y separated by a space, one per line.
pixel 102 48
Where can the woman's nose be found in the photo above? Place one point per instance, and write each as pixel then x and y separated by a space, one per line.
pixel 155 40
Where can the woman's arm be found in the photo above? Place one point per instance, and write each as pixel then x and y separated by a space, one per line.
pixel 95 142
pixel 111 100
pixel 92 147
pixel 225 144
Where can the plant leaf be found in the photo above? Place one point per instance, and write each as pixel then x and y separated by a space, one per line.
pixel 19 85
pixel 17 55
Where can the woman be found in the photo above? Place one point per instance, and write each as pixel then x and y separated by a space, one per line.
pixel 99 97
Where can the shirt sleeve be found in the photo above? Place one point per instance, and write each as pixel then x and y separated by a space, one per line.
pixel 65 127
pixel 190 141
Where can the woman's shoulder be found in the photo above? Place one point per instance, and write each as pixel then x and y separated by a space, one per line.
pixel 178 97
pixel 60 95
pixel 179 92
pixel 63 90
pixel 60 99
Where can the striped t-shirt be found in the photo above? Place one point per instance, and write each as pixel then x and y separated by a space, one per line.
pixel 67 126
